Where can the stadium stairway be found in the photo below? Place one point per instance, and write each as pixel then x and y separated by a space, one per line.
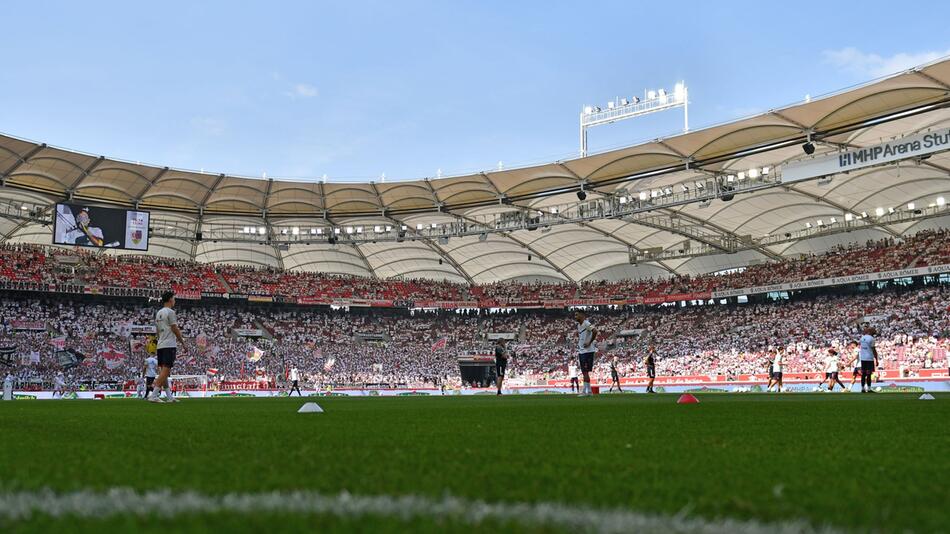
pixel 224 283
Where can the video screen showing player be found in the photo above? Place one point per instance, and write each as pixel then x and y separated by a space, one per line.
pixel 88 226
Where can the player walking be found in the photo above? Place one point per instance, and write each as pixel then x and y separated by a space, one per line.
pixel 868 356
pixel 501 363
pixel 59 384
pixel 831 370
pixel 572 374
pixel 586 348
pixel 294 378
pixel 614 375
pixel 169 337
pixel 650 362
pixel 150 371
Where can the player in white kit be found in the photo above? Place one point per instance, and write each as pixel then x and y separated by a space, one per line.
pixel 59 385
pixel 150 371
pixel 572 374
pixel 831 370
pixel 169 337
pixel 586 348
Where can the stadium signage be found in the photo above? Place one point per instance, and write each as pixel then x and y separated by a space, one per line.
pixel 492 336
pixel 834 281
pixel 142 329
pixel 248 332
pixel 28 325
pixel 894 150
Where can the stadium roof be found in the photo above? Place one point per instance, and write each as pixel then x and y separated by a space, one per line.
pixel 908 102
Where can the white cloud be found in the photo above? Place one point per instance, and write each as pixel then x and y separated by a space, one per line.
pixel 302 90
pixel 874 66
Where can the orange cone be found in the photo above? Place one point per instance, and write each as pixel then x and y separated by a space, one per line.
pixel 686 398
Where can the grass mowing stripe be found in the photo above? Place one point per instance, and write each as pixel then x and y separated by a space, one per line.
pixel 22 506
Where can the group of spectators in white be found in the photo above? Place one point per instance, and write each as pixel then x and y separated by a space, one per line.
pixel 398 347
pixel 27 266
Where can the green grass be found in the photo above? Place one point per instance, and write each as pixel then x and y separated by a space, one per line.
pixel 850 461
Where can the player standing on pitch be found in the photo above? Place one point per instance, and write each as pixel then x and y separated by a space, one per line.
pixel 869 359
pixel 59 385
pixel 149 371
pixel 501 363
pixel 294 378
pixel 855 364
pixel 586 348
pixel 572 374
pixel 614 374
pixel 831 370
pixel 169 337
pixel 777 362
pixel 651 367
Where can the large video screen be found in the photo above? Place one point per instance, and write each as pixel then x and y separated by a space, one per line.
pixel 95 226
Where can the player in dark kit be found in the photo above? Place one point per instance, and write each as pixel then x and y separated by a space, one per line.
pixel 614 375
pixel 501 363
pixel 651 367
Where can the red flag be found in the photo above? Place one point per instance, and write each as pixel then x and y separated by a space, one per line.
pixel 440 344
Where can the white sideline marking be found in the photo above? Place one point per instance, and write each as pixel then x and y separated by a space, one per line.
pixel 21 506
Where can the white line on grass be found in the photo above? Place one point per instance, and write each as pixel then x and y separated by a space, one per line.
pixel 21 506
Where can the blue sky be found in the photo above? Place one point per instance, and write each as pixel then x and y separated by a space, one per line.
pixel 357 89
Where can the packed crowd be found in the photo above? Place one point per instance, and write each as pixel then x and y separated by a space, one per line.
pixel 399 347
pixel 24 266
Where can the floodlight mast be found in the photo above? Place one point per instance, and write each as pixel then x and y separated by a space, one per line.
pixel 622 109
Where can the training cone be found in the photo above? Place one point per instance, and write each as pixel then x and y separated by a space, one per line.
pixel 686 398
pixel 310 407
pixel 926 396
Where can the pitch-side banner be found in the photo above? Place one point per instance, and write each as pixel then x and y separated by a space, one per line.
pixel 905 147
pixel 834 281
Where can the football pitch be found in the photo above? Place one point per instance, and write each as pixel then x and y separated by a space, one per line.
pixel 528 463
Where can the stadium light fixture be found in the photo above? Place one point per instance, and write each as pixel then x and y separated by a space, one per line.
pixel 741 175
pixel 643 195
pixel 864 215
pixel 623 200
pixel 419 226
pixel 890 210
pixel 808 225
pixel 685 188
pixel 336 231
pixel 821 222
pixel 941 202
pixel 261 230
pixel 359 229
pixel 879 212
pixel 753 173
pixel 911 206
pixel 766 169
pixel 389 228
pixel 627 108
pixel 377 229
pixel 295 230
pixel 834 220
pixel 848 217
pixel 316 231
